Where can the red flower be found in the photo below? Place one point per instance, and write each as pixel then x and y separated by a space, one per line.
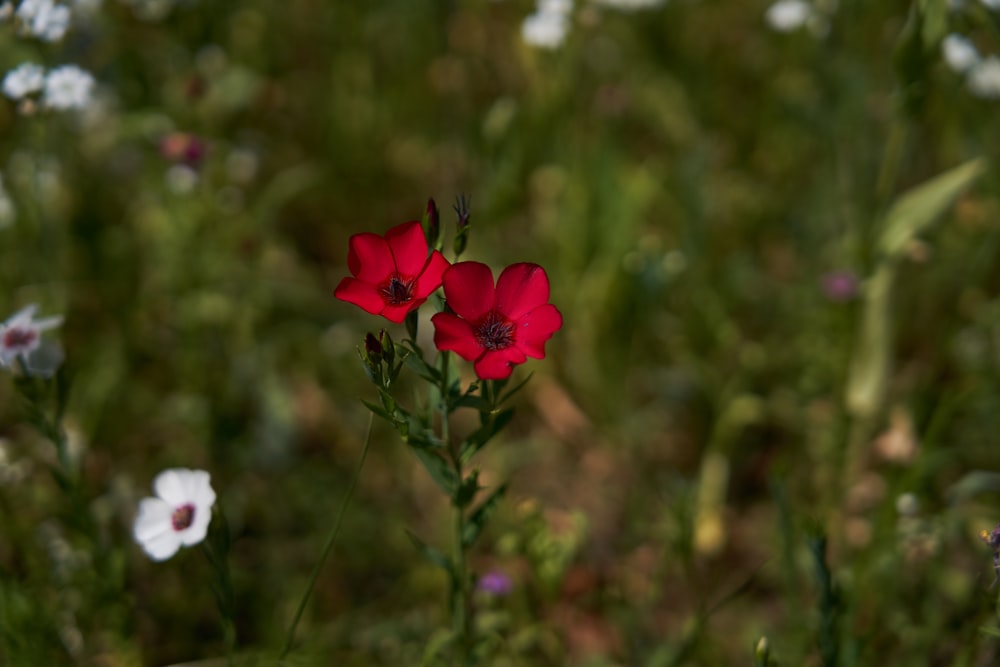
pixel 496 327
pixel 392 274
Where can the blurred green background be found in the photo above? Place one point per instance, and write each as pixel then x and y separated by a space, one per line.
pixel 706 194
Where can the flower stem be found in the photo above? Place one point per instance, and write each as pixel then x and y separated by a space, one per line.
pixel 330 540
pixel 459 617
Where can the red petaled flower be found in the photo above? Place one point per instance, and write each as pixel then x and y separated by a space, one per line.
pixel 392 274
pixel 496 327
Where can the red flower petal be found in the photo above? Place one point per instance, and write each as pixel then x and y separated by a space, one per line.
pixel 521 288
pixel 536 327
pixel 498 364
pixel 370 258
pixel 430 277
pixel 398 313
pixel 409 248
pixel 454 334
pixel 468 288
pixel 360 294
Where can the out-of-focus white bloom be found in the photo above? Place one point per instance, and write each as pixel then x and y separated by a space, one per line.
pixel 628 5
pixel 68 87
pixel 43 19
pixel 959 52
pixel 545 30
pixel 984 78
pixel 548 26
pixel 23 80
pixel 181 179
pixel 21 334
pixel 179 514
pixel 788 15
pixel 991 4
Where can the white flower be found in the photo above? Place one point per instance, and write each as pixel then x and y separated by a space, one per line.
pixel 984 78
pixel 68 87
pixel 991 4
pixel 547 30
pixel 178 516
pixel 628 5
pixel 21 334
pixel 788 15
pixel 44 19
pixel 959 52
pixel 23 80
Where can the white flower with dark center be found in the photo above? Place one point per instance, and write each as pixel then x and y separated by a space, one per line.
pixel 68 87
pixel 178 516
pixel 959 52
pixel 984 78
pixel 23 80
pixel 21 335
pixel 788 15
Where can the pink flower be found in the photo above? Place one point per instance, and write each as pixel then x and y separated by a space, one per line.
pixel 496 327
pixel 392 274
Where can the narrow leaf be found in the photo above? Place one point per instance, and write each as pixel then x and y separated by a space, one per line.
pixel 477 520
pixel 916 209
pixel 438 469
pixel 432 554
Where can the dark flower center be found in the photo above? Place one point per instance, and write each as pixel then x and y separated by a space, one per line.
pixel 183 517
pixel 397 291
pixel 19 337
pixel 494 331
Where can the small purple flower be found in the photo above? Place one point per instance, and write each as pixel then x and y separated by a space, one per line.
pixel 840 286
pixel 495 583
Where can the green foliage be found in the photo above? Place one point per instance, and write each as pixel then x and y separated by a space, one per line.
pixel 688 177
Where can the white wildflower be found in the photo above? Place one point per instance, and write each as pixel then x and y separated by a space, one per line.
pixel 984 78
pixel 179 514
pixel 21 334
pixel 959 52
pixel 43 19
pixel 629 5
pixel 548 26
pixel 23 80
pixel 68 87
pixel 788 15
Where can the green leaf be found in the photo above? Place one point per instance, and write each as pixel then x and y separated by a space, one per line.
pixel 432 554
pixel 916 209
pixel 478 438
pixel 974 483
pixel 477 520
pixel 869 371
pixel 518 387
pixel 472 401
pixel 467 490
pixel 423 369
pixel 379 411
pixel 436 647
pixel 438 469
pixel 935 23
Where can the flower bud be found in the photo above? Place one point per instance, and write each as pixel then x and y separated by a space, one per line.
pixel 432 223
pixel 461 207
pixel 373 348
pixel 388 348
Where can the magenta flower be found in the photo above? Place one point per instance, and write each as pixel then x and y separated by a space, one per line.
pixel 496 327
pixel 392 274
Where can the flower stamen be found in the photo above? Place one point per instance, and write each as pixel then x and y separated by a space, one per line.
pixel 495 332
pixel 397 291
pixel 183 517
pixel 15 338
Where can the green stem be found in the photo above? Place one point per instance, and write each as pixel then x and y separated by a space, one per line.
pixel 459 594
pixel 330 540
pixel 459 617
